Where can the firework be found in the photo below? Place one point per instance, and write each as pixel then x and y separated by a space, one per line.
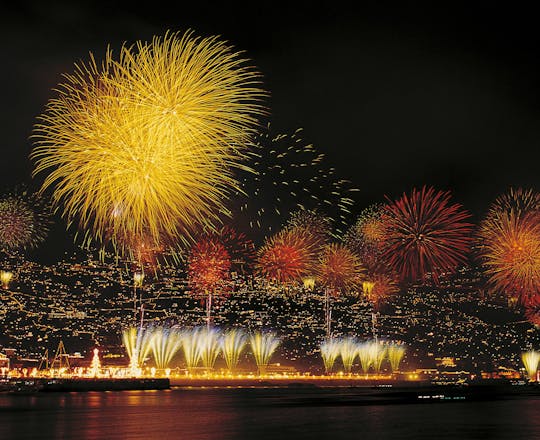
pixel 288 256
pixel 532 313
pixel 318 225
pixel 348 349
pixel 330 350
pixel 365 356
pixel 190 348
pixel 146 252
pixel 510 245
pixel 5 278
pixel 339 271
pixel 367 236
pixel 519 201
pixel 148 143
pixel 290 176
pixel 426 233
pixel 208 346
pixel 138 344
pixel 377 354
pixel 263 346
pixel 379 288
pixel 233 343
pixel 24 221
pixel 395 355
pixel 240 248
pixel 208 268
pixel 530 361
pixel 164 343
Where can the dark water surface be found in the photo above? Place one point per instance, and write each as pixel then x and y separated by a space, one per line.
pixel 257 414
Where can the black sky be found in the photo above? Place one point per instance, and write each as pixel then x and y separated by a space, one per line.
pixel 396 94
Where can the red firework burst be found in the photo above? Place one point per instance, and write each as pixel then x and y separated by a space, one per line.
pixel 287 257
pixel 379 288
pixel 339 269
pixel 208 266
pixel 532 313
pixel 240 248
pixel 426 233
pixel 24 221
pixel 511 253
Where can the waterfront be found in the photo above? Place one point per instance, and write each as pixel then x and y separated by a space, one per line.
pixel 262 413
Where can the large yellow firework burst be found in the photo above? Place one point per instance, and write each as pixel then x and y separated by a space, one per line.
pixel 146 143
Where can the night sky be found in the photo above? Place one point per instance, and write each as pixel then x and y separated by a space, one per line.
pixel 396 96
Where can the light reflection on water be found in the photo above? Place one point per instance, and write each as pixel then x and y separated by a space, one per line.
pixel 223 414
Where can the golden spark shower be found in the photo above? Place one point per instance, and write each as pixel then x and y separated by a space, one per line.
pixel 146 143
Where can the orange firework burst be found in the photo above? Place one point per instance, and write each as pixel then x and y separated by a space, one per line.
pixel 339 269
pixel 288 256
pixel 511 253
pixel 240 248
pixel 426 233
pixel 379 288
pixel 208 266
pixel 518 200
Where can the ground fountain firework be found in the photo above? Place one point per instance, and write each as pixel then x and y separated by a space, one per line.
pixel 530 361
pixel 371 354
pixel 5 278
pixel 330 351
pixel 263 346
pixel 233 343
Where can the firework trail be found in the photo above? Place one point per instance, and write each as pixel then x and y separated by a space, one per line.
pixel 290 175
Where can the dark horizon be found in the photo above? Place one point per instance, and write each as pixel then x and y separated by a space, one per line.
pixel 396 96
